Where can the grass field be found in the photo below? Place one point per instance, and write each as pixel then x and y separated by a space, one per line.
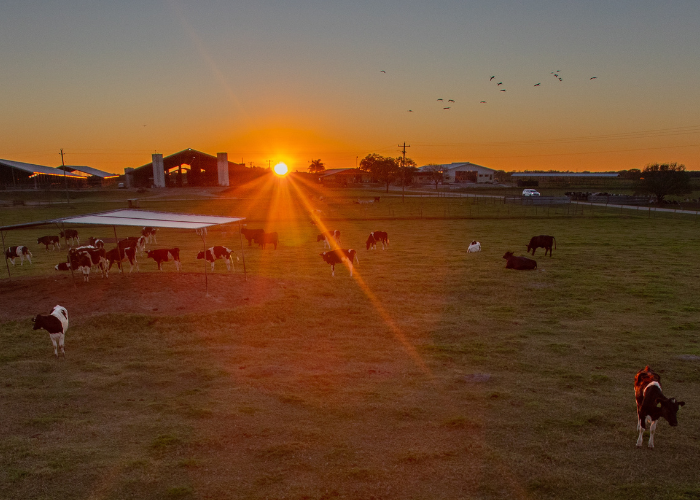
pixel 429 374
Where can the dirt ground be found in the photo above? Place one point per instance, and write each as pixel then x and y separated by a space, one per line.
pixel 139 293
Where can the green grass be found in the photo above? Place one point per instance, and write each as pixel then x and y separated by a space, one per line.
pixel 323 387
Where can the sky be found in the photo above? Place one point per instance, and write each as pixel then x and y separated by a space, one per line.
pixel 266 81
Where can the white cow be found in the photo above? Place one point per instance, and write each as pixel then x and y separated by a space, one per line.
pixel 474 247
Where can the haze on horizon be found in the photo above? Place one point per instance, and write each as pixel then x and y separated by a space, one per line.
pixel 272 81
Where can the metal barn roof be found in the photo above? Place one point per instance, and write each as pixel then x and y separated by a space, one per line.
pixel 37 169
pixel 87 170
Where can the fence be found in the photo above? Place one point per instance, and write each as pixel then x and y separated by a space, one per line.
pixel 537 200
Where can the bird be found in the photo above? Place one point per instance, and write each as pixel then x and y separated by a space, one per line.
pixel 593 78
pixel 446 107
pixel 382 71
pixel 536 85
pixel 499 84
pixel 482 102
pixel 410 111
pixel 492 78
pixel 561 80
pixel 440 99
pixel 451 100
pixel 503 90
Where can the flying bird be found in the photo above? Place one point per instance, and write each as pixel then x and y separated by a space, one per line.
pixel 561 80
pixel 451 100
pixel 492 78
pixel 410 111
pixel 503 90
pixel 482 102
pixel 536 85
pixel 593 78
pixel 439 99
pixel 499 84
pixel 382 71
pixel 446 107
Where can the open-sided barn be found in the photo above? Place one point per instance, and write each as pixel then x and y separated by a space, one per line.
pixel 16 174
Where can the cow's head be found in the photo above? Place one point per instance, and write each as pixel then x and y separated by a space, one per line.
pixel 474 242
pixel 669 409
pixel 36 322
pixel 62 266
pixel 200 255
pixel 508 255
pixel 150 254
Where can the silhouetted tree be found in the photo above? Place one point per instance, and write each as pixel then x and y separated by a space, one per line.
pixel 436 173
pixel 316 167
pixel 383 168
pixel 663 180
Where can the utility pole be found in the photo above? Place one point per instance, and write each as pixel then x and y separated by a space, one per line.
pixel 403 170
pixel 65 179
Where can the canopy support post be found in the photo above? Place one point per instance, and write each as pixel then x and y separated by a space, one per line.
pixel 119 250
pixel 240 237
pixel 5 255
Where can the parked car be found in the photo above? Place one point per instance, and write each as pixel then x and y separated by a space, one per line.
pixel 530 192
pixel 121 185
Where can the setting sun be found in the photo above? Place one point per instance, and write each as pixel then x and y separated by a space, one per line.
pixel 281 169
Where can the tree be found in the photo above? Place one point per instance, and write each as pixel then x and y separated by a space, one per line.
pixel 383 168
pixel 317 167
pixel 436 173
pixel 406 169
pixel 663 180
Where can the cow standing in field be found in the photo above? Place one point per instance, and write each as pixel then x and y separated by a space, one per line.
pixel 70 234
pixel 251 234
pixel 652 404
pixel 371 243
pixel 19 251
pixel 54 241
pixel 218 252
pixel 85 257
pixel 149 233
pixel 96 242
pixel 328 237
pixel 164 255
pixel 339 256
pixel 119 255
pixel 133 241
pixel 474 247
pixel 382 236
pixel 543 241
pixel 56 324
pixel 265 238
pixel 519 263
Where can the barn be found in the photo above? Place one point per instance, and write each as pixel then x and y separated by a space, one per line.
pixel 20 175
pixel 94 177
pixel 457 173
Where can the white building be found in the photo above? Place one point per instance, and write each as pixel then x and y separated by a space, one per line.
pixel 458 173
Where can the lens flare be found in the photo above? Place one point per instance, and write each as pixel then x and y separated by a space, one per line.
pixel 281 169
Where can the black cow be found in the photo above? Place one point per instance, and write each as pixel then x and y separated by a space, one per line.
pixel 96 242
pixel 382 236
pixel 55 241
pixel 519 263
pixel 265 238
pixel 329 236
pixel 164 255
pixel 18 251
pixel 70 234
pixel 652 404
pixel 338 256
pixel 250 234
pixel 371 242
pixel 217 252
pixel 119 255
pixel 56 324
pixel 543 241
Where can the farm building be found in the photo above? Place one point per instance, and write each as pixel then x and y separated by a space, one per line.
pixel 188 167
pixel 16 174
pixel 344 176
pixel 94 176
pixel 456 173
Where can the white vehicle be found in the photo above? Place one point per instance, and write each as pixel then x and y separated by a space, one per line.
pixel 530 192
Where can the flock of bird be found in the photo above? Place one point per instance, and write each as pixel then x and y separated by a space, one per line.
pixel 556 74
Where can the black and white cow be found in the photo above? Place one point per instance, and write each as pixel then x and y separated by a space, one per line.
pixel 519 263
pixel 96 242
pixel 652 404
pixel 133 241
pixel 218 252
pixel 85 257
pixel 19 251
pixel 54 241
pixel 338 256
pixel 119 255
pixel 149 233
pixel 266 238
pixel 251 234
pixel 475 246
pixel 382 236
pixel 70 234
pixel 164 255
pixel 371 242
pixel 56 324
pixel 543 241
pixel 328 237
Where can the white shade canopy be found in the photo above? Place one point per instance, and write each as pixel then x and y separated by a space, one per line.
pixel 142 218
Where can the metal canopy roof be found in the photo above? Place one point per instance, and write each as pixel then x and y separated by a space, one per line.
pixel 153 219
pixel 87 171
pixel 37 169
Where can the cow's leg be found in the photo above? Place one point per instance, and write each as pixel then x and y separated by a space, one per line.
pixel 652 429
pixel 212 266
pixel 177 265
pixel 350 265
pixel 640 429
pixel 228 264
pixel 333 270
pixel 61 343
pixel 54 341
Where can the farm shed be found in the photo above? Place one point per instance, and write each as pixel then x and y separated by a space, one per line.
pixel 344 176
pixel 457 173
pixel 16 174
pixel 94 176
pixel 139 218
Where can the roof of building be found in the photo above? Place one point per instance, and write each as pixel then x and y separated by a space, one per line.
pixel 186 157
pixel 565 174
pixel 453 165
pixel 36 169
pixel 87 170
pixel 333 171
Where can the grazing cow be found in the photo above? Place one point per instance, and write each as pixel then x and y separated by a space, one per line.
pixel 519 263
pixel 382 236
pixel 119 255
pixel 371 242
pixel 70 234
pixel 265 238
pixel 474 247
pixel 543 241
pixel 83 258
pixel 56 324
pixel 54 241
pixel 133 241
pixel 218 252
pixel 164 255
pixel 329 236
pixel 96 242
pixel 251 234
pixel 149 233
pixel 652 404
pixel 338 256
pixel 19 251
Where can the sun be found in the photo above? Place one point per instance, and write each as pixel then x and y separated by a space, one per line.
pixel 281 169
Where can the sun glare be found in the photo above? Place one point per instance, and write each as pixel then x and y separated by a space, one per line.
pixel 281 169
